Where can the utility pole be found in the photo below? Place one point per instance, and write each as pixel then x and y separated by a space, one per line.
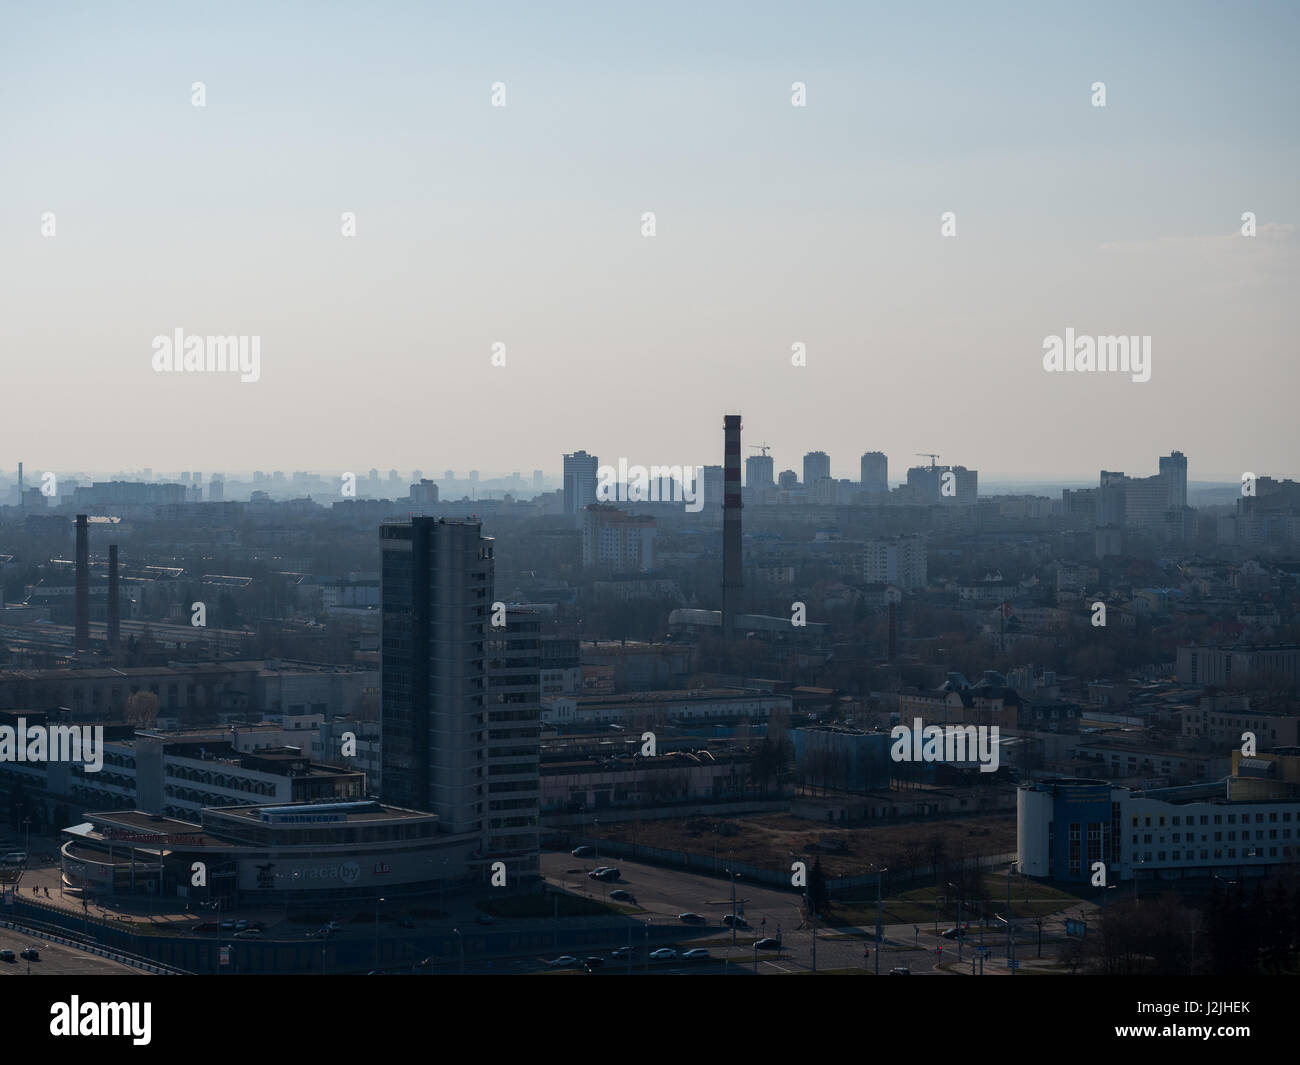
pixel 814 951
pixel 732 877
pixel 879 935
pixel 1008 913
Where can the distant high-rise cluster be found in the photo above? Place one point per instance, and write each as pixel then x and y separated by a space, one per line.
pixel 580 478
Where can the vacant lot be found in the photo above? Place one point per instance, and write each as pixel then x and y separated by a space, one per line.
pixel 768 841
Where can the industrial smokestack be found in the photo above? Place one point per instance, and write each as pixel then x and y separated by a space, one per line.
pixel 83 585
pixel 732 579
pixel 114 627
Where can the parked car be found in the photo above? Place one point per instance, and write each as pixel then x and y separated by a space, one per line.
pixel 592 963
pixel 7 955
pixel 228 925
pixel 692 918
pixel 31 954
pixel 595 873
pixel 608 873
pixel 207 926
pixel 768 943
pixel 563 961
pixel 621 895
pixel 241 926
pixel 698 952
pixel 663 954
pixel 622 952
pixel 900 970
pixel 582 852
pixel 732 920
pixel 248 933
pixel 484 918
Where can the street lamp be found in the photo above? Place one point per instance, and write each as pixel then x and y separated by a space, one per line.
pixel 733 877
pixel 959 928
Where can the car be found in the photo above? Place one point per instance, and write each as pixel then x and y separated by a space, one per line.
pixel 7 955
pixel 663 954
pixel 248 933
pixel 31 954
pixel 241 926
pixel 949 933
pixel 622 952
pixel 595 873
pixel 323 932
pixel 259 925
pixel 592 963
pixel 14 858
pixel 407 922
pixel 621 895
pixel 484 918
pixel 732 920
pixel 582 852
pixel 698 952
pixel 563 961
pixel 207 926
pixel 692 918
pixel 768 943
pixel 900 970
pixel 608 873
pixel 228 926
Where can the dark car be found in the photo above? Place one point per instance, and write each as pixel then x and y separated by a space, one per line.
pixel 31 954
pixel 768 943
pixel 901 970
pixel 484 918
pixel 622 952
pixel 7 955
pixel 592 963
pixel 607 874
pixel 734 920
pixel 621 896
pixel 692 918
pixel 582 852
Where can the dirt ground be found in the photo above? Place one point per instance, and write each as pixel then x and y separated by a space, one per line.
pixel 769 840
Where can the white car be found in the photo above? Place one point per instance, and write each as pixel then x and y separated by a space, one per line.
pixel 698 952
pixel 563 961
pixel 663 954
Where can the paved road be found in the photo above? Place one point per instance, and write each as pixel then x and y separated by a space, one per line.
pixel 57 959
pixel 664 893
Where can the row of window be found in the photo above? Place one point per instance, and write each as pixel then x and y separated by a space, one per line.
pixel 1218 819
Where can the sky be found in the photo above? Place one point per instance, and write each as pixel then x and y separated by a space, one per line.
pixel 775 225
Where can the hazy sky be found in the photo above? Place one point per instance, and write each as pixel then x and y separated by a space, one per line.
pixel 775 225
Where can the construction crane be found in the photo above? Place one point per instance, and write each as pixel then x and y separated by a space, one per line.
pixel 764 448
pixel 932 455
